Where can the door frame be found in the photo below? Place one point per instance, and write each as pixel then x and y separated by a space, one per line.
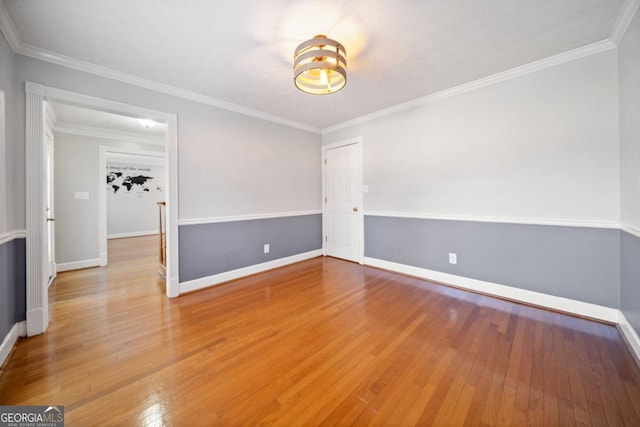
pixel 102 190
pixel 357 141
pixel 36 95
pixel 50 215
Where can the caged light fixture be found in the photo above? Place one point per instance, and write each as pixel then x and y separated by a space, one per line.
pixel 320 66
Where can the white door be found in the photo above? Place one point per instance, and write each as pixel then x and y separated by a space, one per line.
pixel 50 229
pixel 343 220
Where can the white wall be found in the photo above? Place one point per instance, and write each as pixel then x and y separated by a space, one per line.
pixel 629 60
pixel 76 170
pixel 244 165
pixel 542 146
pixel 135 211
pixel 6 107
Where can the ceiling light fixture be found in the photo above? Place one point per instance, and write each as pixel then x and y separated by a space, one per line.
pixel 148 123
pixel 320 66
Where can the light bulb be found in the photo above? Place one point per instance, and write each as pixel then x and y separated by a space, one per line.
pixel 324 77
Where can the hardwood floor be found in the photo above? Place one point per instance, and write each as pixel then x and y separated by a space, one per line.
pixel 322 342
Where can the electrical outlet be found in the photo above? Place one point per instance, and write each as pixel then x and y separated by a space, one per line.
pixel 266 248
pixel 453 258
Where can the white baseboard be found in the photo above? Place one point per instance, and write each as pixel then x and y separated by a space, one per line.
pixel 216 279
pixel 18 330
pixel 37 321
pixel 629 335
pixel 131 234
pixel 566 305
pixel 104 258
pixel 173 284
pixel 77 265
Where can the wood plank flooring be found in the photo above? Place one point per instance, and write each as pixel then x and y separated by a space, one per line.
pixel 322 342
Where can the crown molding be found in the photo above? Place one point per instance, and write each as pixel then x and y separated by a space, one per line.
pixel 627 13
pixel 76 64
pixel 532 67
pixel 10 33
pixel 8 29
pixel 622 23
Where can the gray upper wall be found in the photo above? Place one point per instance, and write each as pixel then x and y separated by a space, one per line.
pixel 229 163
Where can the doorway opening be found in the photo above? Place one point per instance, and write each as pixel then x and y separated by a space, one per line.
pixel 133 198
pixel 38 252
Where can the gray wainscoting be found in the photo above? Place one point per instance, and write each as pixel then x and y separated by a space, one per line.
pixel 13 285
pixel 208 249
pixel 573 262
pixel 630 278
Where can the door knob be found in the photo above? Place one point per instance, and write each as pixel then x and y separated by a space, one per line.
pixel 50 219
pixel 355 209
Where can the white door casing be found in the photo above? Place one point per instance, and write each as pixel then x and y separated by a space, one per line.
pixel 50 217
pixel 342 200
pixel 37 257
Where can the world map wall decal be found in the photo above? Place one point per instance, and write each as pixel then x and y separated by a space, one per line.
pixel 131 178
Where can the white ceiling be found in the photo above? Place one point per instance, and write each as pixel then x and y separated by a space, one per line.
pixel 241 51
